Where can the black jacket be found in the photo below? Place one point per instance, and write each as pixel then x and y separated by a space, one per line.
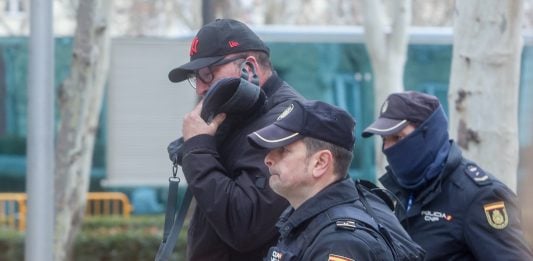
pixel 327 227
pixel 236 210
pixel 463 214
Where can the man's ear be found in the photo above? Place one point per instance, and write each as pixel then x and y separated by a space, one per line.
pixel 254 68
pixel 322 163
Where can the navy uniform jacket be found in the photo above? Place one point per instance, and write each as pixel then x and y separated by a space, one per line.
pixel 236 211
pixel 464 214
pixel 307 233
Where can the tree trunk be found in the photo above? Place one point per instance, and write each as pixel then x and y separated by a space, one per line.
pixel 80 101
pixel 484 84
pixel 525 193
pixel 387 48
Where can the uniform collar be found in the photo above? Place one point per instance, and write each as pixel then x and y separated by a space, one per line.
pixel 272 84
pixel 340 192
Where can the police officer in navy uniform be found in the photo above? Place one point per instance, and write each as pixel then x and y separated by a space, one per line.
pixel 448 204
pixel 310 150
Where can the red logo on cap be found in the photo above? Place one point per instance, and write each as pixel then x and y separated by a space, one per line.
pixel 233 44
pixel 194 46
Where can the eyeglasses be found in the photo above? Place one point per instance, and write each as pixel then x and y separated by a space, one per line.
pixel 205 74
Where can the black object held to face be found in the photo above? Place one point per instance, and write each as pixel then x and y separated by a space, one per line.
pixel 236 97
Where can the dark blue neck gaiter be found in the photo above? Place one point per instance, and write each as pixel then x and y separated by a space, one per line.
pixel 421 155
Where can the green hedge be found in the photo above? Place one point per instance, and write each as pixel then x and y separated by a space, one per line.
pixel 111 238
pixel 11 245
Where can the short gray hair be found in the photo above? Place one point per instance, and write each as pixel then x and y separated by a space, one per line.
pixel 342 156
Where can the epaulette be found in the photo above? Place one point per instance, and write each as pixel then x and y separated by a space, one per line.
pixel 477 175
pixel 346 225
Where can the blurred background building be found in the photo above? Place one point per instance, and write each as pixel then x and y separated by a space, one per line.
pixel 317 46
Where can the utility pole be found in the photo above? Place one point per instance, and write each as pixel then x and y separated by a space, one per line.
pixel 208 11
pixel 40 142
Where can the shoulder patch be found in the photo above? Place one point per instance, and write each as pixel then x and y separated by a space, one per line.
pixel 333 257
pixel 496 214
pixel 477 175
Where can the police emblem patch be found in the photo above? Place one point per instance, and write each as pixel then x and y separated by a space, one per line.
pixel 384 106
pixel 496 215
pixel 276 256
pixel 285 112
pixel 333 257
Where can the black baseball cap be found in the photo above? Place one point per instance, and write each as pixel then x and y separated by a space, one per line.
pixel 314 119
pixel 400 109
pixel 213 42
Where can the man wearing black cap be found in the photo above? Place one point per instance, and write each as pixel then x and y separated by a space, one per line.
pixel 310 150
pixel 448 204
pixel 236 211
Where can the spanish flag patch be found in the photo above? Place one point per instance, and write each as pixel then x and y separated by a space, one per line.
pixel 333 257
pixel 496 215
